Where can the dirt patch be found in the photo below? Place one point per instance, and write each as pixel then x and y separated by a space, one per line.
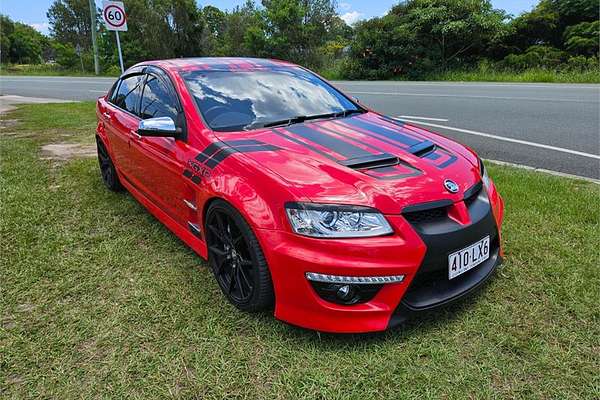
pixel 7 102
pixel 67 151
pixel 7 123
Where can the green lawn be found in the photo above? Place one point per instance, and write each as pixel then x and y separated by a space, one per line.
pixel 527 76
pixel 99 300
pixel 52 70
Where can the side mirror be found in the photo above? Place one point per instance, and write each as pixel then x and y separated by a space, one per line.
pixel 162 126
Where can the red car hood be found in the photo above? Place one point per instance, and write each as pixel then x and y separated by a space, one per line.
pixel 365 159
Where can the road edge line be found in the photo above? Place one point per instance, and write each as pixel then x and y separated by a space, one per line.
pixel 502 138
pixel 543 170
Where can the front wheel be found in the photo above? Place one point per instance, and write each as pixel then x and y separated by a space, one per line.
pixel 236 259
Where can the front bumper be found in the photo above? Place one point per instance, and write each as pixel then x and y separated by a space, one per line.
pixel 418 250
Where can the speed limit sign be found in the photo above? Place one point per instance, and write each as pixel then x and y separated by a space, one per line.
pixel 114 15
pixel 115 19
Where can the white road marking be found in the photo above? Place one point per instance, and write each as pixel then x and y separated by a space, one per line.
pixel 468 96
pixel 99 91
pixel 505 139
pixel 423 118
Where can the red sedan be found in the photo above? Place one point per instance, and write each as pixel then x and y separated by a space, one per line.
pixel 301 198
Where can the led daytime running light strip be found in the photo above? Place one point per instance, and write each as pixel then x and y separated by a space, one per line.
pixel 357 280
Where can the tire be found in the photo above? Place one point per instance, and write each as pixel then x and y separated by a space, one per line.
pixel 236 259
pixel 107 168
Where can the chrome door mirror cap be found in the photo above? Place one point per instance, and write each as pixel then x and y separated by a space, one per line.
pixel 161 126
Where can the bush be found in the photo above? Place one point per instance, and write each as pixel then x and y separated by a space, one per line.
pixel 65 55
pixel 582 64
pixel 535 57
pixel 112 70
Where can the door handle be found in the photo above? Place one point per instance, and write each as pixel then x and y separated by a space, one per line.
pixel 106 114
pixel 135 134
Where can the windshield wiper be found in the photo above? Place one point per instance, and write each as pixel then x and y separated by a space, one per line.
pixel 301 118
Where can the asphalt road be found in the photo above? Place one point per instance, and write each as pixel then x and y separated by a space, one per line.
pixel 549 126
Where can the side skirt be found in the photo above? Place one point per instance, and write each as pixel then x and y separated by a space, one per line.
pixel 181 232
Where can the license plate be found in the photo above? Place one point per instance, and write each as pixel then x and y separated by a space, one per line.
pixel 463 260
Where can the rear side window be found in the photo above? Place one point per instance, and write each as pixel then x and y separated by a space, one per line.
pixel 157 101
pixel 129 93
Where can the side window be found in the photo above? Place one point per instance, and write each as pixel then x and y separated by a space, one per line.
pixel 157 101
pixel 129 92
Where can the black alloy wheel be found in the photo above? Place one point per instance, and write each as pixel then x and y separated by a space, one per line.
pixel 107 168
pixel 236 259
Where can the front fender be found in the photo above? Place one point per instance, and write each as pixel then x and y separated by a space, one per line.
pixel 257 194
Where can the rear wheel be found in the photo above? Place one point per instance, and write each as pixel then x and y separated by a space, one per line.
pixel 236 259
pixel 107 168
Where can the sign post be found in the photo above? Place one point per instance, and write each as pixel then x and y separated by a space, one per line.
pixel 78 52
pixel 115 19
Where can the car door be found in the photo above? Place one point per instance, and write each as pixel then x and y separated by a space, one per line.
pixel 122 120
pixel 158 161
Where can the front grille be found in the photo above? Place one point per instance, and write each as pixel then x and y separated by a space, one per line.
pixel 426 216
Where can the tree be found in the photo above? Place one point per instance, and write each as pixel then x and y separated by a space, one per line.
pixel 294 29
pixel 161 29
pixel 420 36
pixel 572 12
pixel 21 43
pixel 582 39
pixel 243 34
pixel 7 27
pixel 69 22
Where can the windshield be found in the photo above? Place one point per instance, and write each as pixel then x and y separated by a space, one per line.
pixel 237 100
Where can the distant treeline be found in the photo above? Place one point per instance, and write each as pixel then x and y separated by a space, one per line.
pixel 416 38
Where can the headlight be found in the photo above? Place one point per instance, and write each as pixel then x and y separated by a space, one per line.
pixel 336 221
pixel 484 175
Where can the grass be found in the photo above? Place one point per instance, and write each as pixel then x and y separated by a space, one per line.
pixel 530 75
pixel 50 70
pixel 99 300
pixel 334 73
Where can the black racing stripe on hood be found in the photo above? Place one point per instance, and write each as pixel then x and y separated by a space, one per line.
pixel 371 134
pixel 327 141
pixel 450 160
pixel 350 138
pixel 301 143
pixel 389 133
pixel 243 142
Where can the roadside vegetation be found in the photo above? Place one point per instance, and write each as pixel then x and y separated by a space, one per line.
pixel 98 299
pixel 528 75
pixel 50 70
pixel 557 41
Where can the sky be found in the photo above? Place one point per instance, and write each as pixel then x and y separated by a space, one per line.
pixel 33 12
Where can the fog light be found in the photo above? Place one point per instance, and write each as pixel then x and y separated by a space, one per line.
pixel 348 290
pixel 345 293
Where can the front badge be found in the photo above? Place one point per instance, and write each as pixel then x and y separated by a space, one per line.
pixel 451 186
